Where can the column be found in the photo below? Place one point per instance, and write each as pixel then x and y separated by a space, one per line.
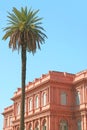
pixel 33 105
pixel 83 94
pixel 40 124
pixel 33 125
pixel 82 124
pixel 85 122
pixel 47 123
pixel 40 100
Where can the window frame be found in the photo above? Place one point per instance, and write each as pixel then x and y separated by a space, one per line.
pixel 79 126
pixel 18 108
pixel 30 104
pixel 78 98
pixel 36 101
pixel 44 98
pixel 63 124
pixel 63 98
pixel 10 120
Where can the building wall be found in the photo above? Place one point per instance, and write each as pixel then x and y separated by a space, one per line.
pixel 61 103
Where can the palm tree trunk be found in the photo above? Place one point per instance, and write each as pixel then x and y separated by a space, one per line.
pixel 23 58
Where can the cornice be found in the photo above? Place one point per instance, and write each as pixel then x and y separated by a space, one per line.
pixel 80 77
pixel 8 110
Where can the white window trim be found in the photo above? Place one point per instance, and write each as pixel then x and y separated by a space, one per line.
pixel 30 104
pixel 44 99
pixel 37 101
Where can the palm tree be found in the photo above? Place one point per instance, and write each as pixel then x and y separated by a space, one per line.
pixel 26 34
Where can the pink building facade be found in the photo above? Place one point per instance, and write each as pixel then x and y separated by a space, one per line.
pixel 55 101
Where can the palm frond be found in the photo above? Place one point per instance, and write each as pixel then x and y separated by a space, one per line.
pixel 12 17
pixel 24 27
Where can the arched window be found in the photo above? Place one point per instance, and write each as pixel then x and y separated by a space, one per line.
pixel 30 104
pixel 63 98
pixel 18 128
pixel 30 127
pixel 44 99
pixel 79 125
pixel 37 102
pixel 63 125
pixel 37 126
pixel 44 125
pixel 78 98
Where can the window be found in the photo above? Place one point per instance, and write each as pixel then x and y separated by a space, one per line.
pixel 78 98
pixel 63 125
pixel 79 125
pixel 37 102
pixel 30 127
pixel 37 126
pixel 44 125
pixel 44 99
pixel 6 122
pixel 25 107
pixel 24 127
pixel 10 121
pixel 30 104
pixel 17 128
pixel 18 108
pixel 63 98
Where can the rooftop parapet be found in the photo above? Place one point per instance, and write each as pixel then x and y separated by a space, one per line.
pixel 62 77
pixel 8 109
pixel 18 92
pixel 31 85
pixel 80 76
pixel 38 81
pixel 56 76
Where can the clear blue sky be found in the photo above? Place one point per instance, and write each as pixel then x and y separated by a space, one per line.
pixel 65 22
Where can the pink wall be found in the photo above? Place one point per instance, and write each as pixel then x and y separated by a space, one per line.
pixel 62 90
